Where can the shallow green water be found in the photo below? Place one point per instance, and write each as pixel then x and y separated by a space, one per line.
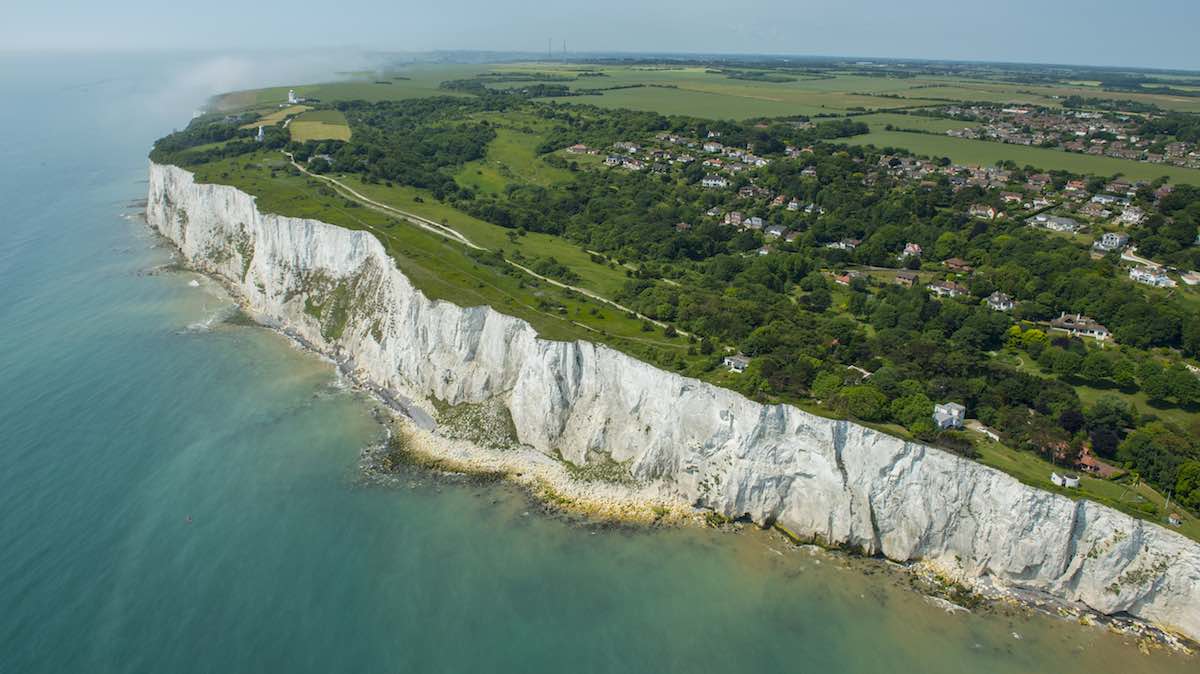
pixel 181 495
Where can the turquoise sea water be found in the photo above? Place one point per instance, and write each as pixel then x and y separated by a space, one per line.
pixel 178 494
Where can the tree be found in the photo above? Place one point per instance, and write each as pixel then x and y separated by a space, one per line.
pixel 1096 366
pixel 911 409
pixel 826 384
pixel 863 402
pixel 1187 486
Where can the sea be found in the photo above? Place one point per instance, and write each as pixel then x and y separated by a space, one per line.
pixel 181 492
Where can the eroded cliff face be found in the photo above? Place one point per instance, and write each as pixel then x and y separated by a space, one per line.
pixel 834 480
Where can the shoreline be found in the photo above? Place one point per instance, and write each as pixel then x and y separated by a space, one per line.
pixel 547 482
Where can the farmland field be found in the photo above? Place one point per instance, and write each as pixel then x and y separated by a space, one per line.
pixel 320 125
pixel 511 157
pixel 986 153
pixel 276 116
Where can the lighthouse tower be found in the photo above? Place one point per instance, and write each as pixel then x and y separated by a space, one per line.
pixel 261 135
pixel 292 100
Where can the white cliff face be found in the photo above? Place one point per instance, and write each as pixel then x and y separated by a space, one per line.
pixel 833 480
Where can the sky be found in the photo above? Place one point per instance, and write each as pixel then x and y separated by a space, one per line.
pixel 1152 33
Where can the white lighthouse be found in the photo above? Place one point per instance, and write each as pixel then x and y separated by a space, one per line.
pixel 261 134
pixel 292 100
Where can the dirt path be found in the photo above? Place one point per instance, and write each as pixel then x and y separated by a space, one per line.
pixel 443 230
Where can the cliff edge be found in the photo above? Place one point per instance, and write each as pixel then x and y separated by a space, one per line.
pixel 832 480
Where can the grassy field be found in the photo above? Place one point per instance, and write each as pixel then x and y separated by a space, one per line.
pixel 273 117
pixel 879 121
pixel 512 157
pixel 320 125
pixel 1035 471
pixel 986 153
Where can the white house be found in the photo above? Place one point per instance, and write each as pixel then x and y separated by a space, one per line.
pixel 1151 276
pixel 737 363
pixel 999 301
pixel 1111 241
pixel 949 415
pixel 714 181
pixel 1065 480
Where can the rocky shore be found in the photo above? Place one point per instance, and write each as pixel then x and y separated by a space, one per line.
pixel 602 433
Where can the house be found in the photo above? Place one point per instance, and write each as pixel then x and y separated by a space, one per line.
pixel 982 211
pixel 844 244
pixel 711 180
pixel 1053 223
pixel 1111 241
pixel 1076 186
pixel 1094 209
pixel 1132 215
pixel 714 212
pixel 578 148
pixel 1108 200
pixel 809 172
pixel 737 363
pixel 778 201
pixel 753 222
pixel 1191 278
pixel 1065 480
pixel 775 230
pixel 734 218
pixel 949 415
pixel 682 226
pixel 1011 197
pixel 911 250
pixel 713 146
pixel 957 264
pixel 1090 463
pixel 1079 325
pixel 906 278
pixel 794 205
pixel 1151 276
pixel 795 234
pixel 628 147
pixel 614 160
pixel 765 250
pixel 1174 520
pixel 999 301
pixel 947 289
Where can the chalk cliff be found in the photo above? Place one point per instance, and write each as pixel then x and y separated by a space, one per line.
pixel 835 480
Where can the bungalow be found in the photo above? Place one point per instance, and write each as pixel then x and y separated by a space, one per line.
pixel 1053 223
pixel 1065 480
pixel 949 415
pixel 682 226
pixel 1094 209
pixel 1132 215
pixel 626 146
pixel 809 172
pixel 1151 276
pixel 982 211
pixel 765 250
pixel 1108 200
pixel 906 278
pixel 911 250
pixel 957 264
pixel 999 301
pixel 795 234
pixel 711 180
pixel 1011 197
pixel 753 222
pixel 1079 325
pixel 775 230
pixel 737 363
pixel 1111 241
pixel 578 148
pixel 947 289
pixel 714 212
pixel 844 244
pixel 614 160
pixel 1076 186
pixel 794 205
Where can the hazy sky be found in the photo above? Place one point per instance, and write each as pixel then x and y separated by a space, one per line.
pixel 1158 33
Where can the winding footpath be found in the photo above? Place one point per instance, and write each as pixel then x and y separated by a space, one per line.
pixel 443 230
